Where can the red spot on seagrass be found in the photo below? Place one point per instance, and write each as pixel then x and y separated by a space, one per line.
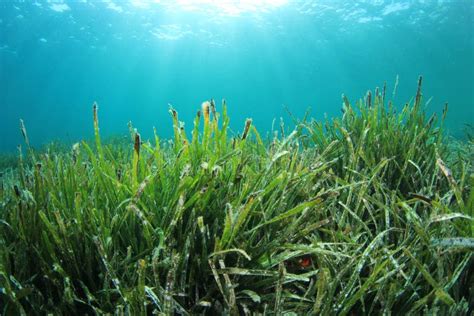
pixel 305 261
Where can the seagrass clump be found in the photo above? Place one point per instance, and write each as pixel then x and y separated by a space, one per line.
pixel 367 213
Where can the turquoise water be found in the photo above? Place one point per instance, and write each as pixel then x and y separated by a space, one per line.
pixel 136 57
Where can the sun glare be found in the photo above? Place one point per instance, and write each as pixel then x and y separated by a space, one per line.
pixel 230 7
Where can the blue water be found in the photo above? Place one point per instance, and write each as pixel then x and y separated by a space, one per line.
pixel 136 57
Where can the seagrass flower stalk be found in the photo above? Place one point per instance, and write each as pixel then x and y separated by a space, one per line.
pixel 136 159
pixel 23 133
pixel 137 144
pixel 213 109
pixel 418 91
pixel 176 129
pixel 215 116
pixel 282 127
pixel 205 110
pixel 248 123
pixel 174 113
pixel 95 109
pixel 207 131
pixel 75 152
pixel 445 111
pixel 384 90
pixel 131 130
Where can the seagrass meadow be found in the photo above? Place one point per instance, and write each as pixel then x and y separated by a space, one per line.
pixel 368 213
